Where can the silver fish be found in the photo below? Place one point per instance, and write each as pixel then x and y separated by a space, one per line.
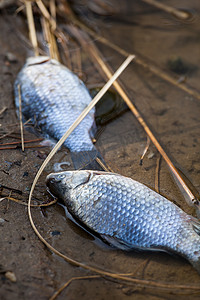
pixel 127 213
pixel 53 97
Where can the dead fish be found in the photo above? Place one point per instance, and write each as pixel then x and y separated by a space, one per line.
pixel 126 213
pixel 53 97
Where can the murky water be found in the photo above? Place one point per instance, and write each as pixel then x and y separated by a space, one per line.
pixel 173 115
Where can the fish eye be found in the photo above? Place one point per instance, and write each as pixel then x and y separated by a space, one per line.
pixel 62 176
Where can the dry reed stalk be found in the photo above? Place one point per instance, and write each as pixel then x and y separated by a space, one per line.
pixel 25 142
pixel 52 6
pixel 26 204
pixel 6 134
pixel 46 14
pixel 27 147
pixel 55 52
pixel 169 9
pixel 50 39
pixel 49 26
pixel 98 60
pixel 31 26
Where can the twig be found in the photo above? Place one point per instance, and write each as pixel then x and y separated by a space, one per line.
pixel 145 150
pixel 26 147
pixel 99 62
pixel 57 32
pixel 5 135
pixel 46 14
pixel 49 27
pixel 55 295
pixel 52 5
pixel 169 9
pixel 25 142
pixel 19 9
pixel 13 136
pixel 50 40
pixel 31 25
pixel 26 204
pixel 20 116
pixel 10 189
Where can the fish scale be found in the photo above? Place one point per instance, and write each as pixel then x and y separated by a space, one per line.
pixel 127 213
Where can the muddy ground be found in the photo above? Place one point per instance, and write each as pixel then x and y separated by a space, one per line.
pixel 173 116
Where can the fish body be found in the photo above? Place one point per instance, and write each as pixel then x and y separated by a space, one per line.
pixel 53 97
pixel 127 213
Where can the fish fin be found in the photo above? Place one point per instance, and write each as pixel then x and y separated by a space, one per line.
pixel 88 160
pixel 116 242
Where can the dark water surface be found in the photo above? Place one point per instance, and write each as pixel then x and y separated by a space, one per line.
pixel 171 113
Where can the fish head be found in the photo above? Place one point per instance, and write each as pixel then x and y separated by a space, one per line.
pixel 62 184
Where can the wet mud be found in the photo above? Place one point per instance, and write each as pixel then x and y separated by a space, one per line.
pixel 171 113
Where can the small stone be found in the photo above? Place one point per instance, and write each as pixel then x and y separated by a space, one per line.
pixel 11 276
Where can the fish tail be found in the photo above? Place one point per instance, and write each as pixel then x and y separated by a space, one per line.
pixel 89 160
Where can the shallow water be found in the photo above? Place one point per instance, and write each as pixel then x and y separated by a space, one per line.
pixel 171 113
